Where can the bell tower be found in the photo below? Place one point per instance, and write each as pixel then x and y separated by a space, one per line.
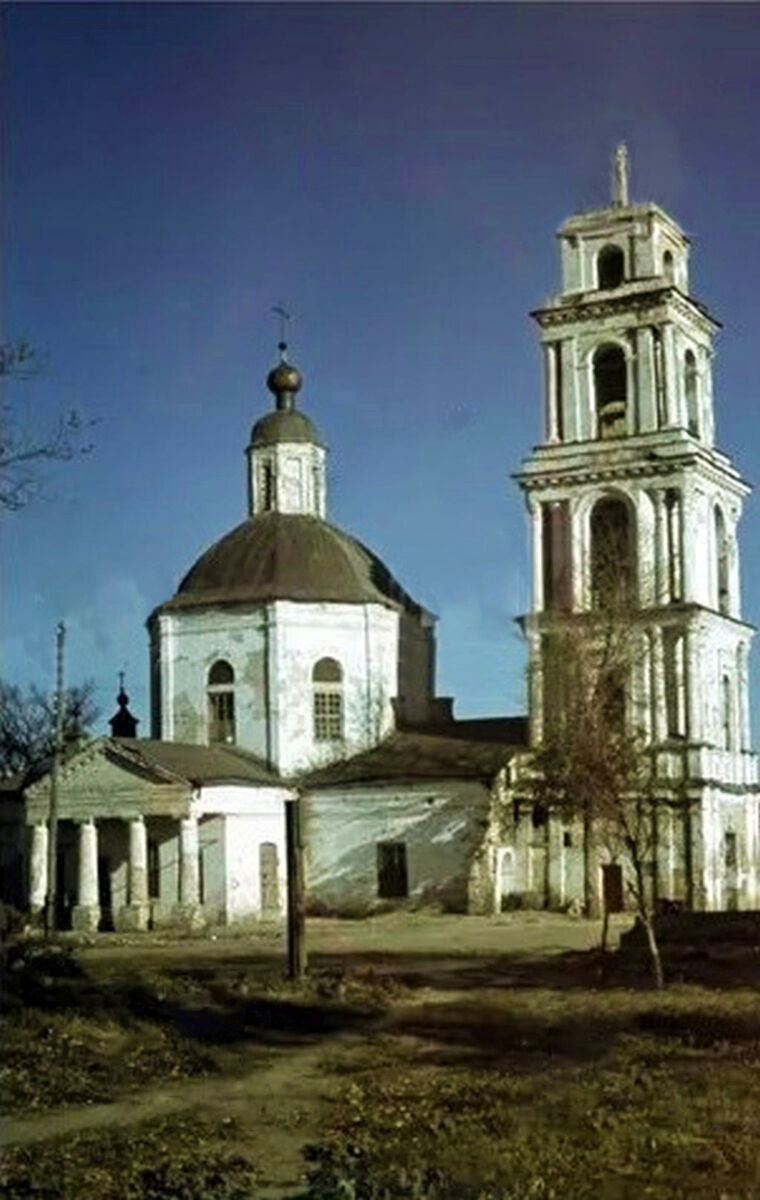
pixel 628 469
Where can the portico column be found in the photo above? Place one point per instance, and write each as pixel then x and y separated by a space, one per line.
pixel 38 869
pixel 135 914
pixel 86 914
pixel 672 403
pixel 659 698
pixel 552 400
pixel 189 893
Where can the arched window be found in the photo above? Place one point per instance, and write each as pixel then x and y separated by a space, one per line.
pixel 327 690
pixel 610 267
pixel 721 563
pixel 221 703
pixel 668 269
pixel 610 388
pixel 613 555
pixel 690 387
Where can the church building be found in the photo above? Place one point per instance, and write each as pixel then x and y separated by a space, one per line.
pixel 290 662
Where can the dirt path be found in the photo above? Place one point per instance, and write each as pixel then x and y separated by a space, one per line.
pixel 278 1107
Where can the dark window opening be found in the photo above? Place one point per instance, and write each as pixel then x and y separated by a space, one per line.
pixel 612 554
pixel 567 839
pixel 201 877
pixel 721 549
pixel 675 685
pixel 154 870
pixel 673 540
pixel 267 487
pixel 667 266
pixel 610 391
pixel 610 266
pixel 392 880
pixel 730 849
pixel 221 703
pixel 539 816
pixel 612 887
pixel 728 714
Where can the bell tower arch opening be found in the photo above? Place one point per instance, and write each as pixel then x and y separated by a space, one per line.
pixel 610 267
pixel 610 390
pixel 613 554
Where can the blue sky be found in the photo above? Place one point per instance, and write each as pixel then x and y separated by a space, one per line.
pixel 394 175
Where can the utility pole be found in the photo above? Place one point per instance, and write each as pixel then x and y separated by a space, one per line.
pixel 52 871
pixel 296 897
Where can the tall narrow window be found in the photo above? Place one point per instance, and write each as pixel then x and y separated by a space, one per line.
pixel 727 714
pixel 668 269
pixel 613 555
pixel 721 561
pixel 610 267
pixel 690 386
pixel 154 870
pixel 221 703
pixel 327 683
pixel 610 391
pixel 267 487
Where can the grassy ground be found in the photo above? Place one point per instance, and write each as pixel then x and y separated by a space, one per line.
pixel 431 1058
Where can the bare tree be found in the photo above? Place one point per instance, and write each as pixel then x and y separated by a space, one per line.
pixel 27 727
pixel 22 445
pixel 594 762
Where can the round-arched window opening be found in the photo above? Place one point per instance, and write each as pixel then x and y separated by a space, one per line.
pixel 327 670
pixel 221 703
pixel 668 267
pixel 613 555
pixel 221 672
pixel 327 700
pixel 610 267
pixel 610 390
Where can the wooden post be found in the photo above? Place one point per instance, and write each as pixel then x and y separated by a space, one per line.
pixel 52 871
pixel 296 897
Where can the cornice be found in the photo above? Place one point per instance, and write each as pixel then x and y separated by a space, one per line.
pixel 641 305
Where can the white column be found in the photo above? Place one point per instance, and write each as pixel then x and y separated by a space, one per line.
pixel 537 550
pixel 552 399
pixel 672 406
pixel 188 862
pixel 135 914
pixel 86 914
pixel 647 384
pixel 138 862
pixel 660 547
pixel 658 697
pixel 38 868
pixel 693 691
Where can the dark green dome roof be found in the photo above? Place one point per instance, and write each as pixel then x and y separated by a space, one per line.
pixel 279 556
pixel 284 425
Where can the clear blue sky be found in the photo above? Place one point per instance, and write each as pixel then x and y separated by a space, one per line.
pixel 394 174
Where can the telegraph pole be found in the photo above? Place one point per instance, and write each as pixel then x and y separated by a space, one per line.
pixel 52 871
pixel 296 896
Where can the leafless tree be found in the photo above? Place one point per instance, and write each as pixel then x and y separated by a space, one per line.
pixel 23 446
pixel 27 727
pixel 593 762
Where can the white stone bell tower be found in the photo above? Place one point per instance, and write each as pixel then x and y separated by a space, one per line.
pixel 629 462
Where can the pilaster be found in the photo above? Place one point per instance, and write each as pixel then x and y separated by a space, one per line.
pixel 38 869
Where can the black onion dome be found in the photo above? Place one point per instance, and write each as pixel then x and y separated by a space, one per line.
pixel 285 425
pixel 279 556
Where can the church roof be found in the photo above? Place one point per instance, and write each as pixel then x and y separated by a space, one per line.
pixel 189 762
pixel 285 425
pixel 405 756
pixel 285 556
